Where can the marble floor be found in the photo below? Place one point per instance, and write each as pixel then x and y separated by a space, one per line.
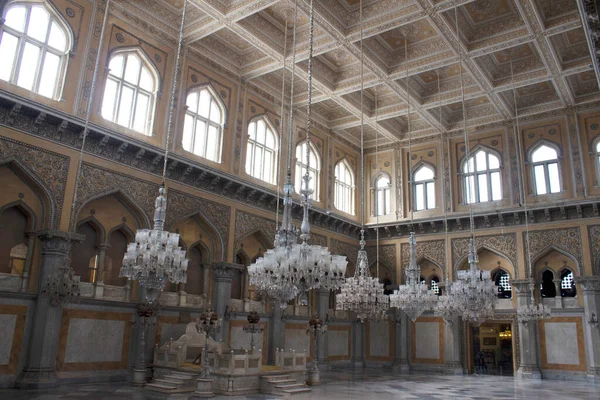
pixel 370 384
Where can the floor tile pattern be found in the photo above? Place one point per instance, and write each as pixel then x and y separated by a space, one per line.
pixel 358 384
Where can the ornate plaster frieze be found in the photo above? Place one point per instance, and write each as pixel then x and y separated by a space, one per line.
pixel 433 250
pixel 247 224
pixel 387 255
pixel 505 245
pixel 594 233
pixel 567 240
pixel 350 250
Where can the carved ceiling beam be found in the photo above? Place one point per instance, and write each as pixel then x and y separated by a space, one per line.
pixel 533 21
pixel 449 34
pixel 371 65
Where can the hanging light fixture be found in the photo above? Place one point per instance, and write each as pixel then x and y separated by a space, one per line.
pixel 448 304
pixel 291 268
pixel 362 294
pixel 62 286
pixel 474 289
pixel 155 256
pixel 412 297
pixel 532 311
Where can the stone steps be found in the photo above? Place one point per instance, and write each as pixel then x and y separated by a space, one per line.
pixel 176 382
pixel 282 385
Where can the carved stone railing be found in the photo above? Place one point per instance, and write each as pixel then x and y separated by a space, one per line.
pixel 290 360
pixel 247 305
pixel 236 362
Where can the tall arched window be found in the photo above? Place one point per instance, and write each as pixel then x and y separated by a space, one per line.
pixel 14 225
pixel 114 258
pixel 482 180
pixel 314 168
pixel 424 188
pixel 382 195
pixel 203 125
pixel 130 91
pixel 567 285
pixel 547 288
pixel 194 283
pixel 502 281
pixel 434 284
pixel 344 187
pixel 34 48
pixel 84 257
pixel 546 175
pixel 261 151
pixel 597 159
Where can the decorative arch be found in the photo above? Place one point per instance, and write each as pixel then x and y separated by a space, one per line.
pixel 513 273
pixel 547 250
pixel 94 223
pixel 423 163
pixel 378 175
pixel 477 148
pixel 262 237
pixel 218 249
pixel 441 275
pixel 49 217
pixel 543 142
pixel 115 51
pixel 141 219
pixel 244 258
pixel 216 97
pixel 129 234
pixel 21 205
pixel 206 254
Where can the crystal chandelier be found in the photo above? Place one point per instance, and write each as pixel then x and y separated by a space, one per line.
pixel 474 290
pixel 531 311
pixel 156 257
pixel 413 297
pixel 291 268
pixel 362 294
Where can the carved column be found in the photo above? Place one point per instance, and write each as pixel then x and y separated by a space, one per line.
pixel 223 275
pixel 28 259
pixel 452 333
pixel 401 344
pixel 206 279
pixel 322 311
pixel 590 286
pixel 99 284
pixel 276 332
pixel 558 297
pixel 528 342
pixel 40 369
pixel 358 344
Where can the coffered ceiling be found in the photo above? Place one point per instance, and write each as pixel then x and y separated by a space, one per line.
pixel 542 43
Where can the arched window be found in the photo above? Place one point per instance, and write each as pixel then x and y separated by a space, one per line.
pixel 344 187
pixel 482 180
pixel 382 195
pixel 261 151
pixel 130 91
pixel 597 159
pixel 422 280
pixel 567 285
pixel 434 284
pixel 114 258
pixel 84 257
pixel 194 283
pixel 13 240
pixel 34 48
pixel 424 188
pixel 203 125
pixel 547 287
pixel 502 281
pixel 546 175
pixel 314 168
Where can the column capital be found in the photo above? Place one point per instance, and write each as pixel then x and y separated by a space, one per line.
pixel 223 271
pixel 522 286
pixel 58 242
pixel 588 283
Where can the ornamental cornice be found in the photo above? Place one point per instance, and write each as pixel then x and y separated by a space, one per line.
pixel 589 283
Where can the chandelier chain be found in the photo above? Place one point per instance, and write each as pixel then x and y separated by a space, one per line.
pixel 174 91
pixel 293 75
pixel 281 122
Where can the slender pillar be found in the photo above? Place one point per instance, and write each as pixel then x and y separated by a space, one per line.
pixel 276 339
pixel 358 344
pixel 40 369
pixel 528 343
pixel 206 279
pixel 99 284
pixel 590 286
pixel 28 260
pixel 223 275
pixel 453 363
pixel 558 298
pixel 401 345
pixel 322 310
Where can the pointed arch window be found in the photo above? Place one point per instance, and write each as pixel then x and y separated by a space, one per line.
pixel 597 159
pixel 434 284
pixel 130 91
pixel 203 124
pixel 546 174
pixel 261 150
pixel 481 177
pixel 502 281
pixel 424 188
pixel 344 187
pixel 382 195
pixel 314 169
pixel 34 48
pixel 567 284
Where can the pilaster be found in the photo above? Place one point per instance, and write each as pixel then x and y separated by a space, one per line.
pixel 401 345
pixel 590 286
pixel 528 335
pixel 40 368
pixel 223 275
pixel 452 333
pixel 322 310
